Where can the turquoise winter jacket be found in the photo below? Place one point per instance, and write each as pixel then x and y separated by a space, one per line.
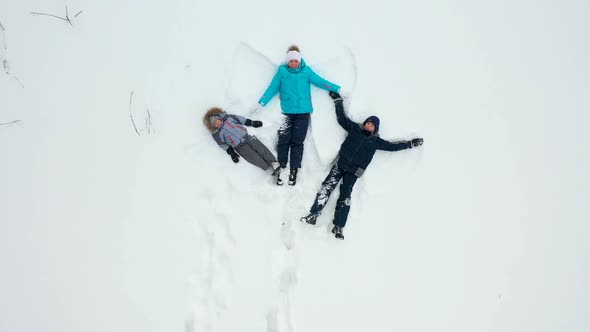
pixel 294 89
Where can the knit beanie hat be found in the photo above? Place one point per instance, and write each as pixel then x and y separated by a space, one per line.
pixel 293 55
pixel 374 120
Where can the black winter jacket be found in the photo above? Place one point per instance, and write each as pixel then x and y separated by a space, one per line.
pixel 357 150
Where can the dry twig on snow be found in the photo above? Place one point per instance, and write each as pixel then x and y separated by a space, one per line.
pixel 8 124
pixel 131 114
pixel 17 80
pixel 65 19
pixel 3 36
pixel 3 49
pixel 148 122
pixel 51 15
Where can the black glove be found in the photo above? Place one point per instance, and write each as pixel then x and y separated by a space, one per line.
pixel 253 123
pixel 234 156
pixel 416 142
pixel 335 95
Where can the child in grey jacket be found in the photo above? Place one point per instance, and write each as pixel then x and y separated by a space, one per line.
pixel 230 134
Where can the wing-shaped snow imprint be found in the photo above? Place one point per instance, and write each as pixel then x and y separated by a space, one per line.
pixel 251 71
pixel 249 74
pixel 342 70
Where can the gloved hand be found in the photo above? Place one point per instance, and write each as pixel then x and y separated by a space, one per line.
pixel 416 142
pixel 253 123
pixel 335 95
pixel 234 156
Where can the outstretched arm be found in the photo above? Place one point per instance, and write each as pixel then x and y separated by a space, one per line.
pixel 343 120
pixel 272 89
pixel 398 145
pixel 322 83
pixel 247 122
pixel 239 118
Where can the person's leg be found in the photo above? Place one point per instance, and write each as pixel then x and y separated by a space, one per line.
pixel 328 186
pixel 247 152
pixel 284 141
pixel 343 203
pixel 263 151
pixel 300 124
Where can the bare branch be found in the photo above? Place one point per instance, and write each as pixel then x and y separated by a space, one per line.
pixel 131 114
pixel 148 121
pixel 16 79
pixel 9 123
pixel 3 36
pixel 67 16
pixel 65 19
pixel 5 64
pixel 44 14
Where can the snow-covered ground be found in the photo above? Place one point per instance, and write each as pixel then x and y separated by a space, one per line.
pixel 104 228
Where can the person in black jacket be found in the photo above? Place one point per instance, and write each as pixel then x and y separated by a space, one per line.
pixel 356 153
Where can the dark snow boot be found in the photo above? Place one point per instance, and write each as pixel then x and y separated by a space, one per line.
pixel 277 173
pixel 310 219
pixel 276 170
pixel 337 231
pixel 293 177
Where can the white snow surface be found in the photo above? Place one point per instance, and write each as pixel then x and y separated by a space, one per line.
pixel 484 228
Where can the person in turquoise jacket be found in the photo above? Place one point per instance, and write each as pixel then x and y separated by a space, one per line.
pixel 292 82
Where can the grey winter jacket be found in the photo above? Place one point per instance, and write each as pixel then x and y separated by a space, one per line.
pixel 232 132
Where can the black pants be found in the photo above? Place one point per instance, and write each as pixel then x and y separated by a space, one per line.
pixel 291 137
pixel 343 202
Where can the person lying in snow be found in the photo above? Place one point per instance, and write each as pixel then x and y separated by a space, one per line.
pixel 356 153
pixel 230 134
pixel 292 81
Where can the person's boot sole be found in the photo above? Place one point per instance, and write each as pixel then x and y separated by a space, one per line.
pixel 307 222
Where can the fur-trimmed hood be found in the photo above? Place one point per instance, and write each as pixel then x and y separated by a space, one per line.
pixel 212 112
